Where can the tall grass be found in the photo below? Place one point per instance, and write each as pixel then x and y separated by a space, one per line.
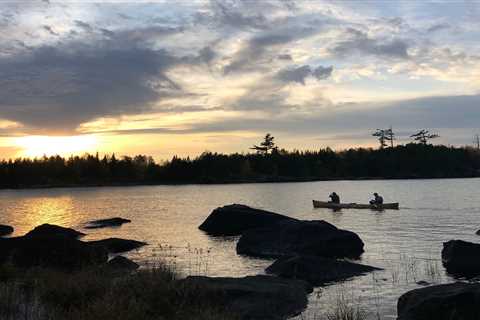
pixel 150 294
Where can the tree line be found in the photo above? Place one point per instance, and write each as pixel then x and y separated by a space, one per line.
pixel 269 163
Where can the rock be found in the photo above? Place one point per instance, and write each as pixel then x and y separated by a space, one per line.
pixel 294 237
pixel 317 270
pixel 104 223
pixel 423 283
pixel 116 245
pixel 47 230
pixel 121 264
pixel 458 301
pixel 461 258
pixel 477 233
pixel 55 251
pixel 255 297
pixel 233 219
pixel 5 230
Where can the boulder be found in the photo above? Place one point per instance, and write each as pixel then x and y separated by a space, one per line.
pixel 233 219
pixel 461 258
pixel 104 223
pixel 255 297
pixel 47 230
pixel 458 301
pixel 294 237
pixel 116 245
pixel 477 233
pixel 317 270
pixel 121 264
pixel 55 251
pixel 5 230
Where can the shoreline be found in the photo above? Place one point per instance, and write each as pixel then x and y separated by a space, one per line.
pixel 226 182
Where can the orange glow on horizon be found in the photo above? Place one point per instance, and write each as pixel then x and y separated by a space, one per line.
pixel 38 146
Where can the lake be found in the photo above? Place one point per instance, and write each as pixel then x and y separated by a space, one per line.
pixel 406 243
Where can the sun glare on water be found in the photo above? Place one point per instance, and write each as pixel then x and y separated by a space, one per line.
pixel 38 146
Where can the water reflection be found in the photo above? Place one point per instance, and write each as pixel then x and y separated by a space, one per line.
pixel 406 243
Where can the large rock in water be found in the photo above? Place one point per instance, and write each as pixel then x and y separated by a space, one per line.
pixel 121 264
pixel 117 245
pixel 456 301
pixel 57 251
pixel 233 219
pixel 5 230
pixel 317 270
pixel 48 230
pixel 288 238
pixel 104 223
pixel 461 258
pixel 255 297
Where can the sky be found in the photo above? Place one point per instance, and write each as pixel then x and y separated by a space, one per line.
pixel 168 77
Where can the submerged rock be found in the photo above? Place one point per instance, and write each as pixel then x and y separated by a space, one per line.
pixel 255 297
pixel 294 237
pixel 458 301
pixel 317 270
pixel 121 264
pixel 233 219
pixel 5 230
pixel 117 245
pixel 461 258
pixel 47 230
pixel 104 223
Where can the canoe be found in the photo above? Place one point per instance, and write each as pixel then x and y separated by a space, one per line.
pixel 324 204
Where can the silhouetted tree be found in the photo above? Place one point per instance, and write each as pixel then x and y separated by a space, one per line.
pixel 390 136
pixel 476 141
pixel 382 136
pixel 266 145
pixel 423 136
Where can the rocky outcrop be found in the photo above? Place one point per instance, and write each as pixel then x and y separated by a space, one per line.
pixel 121 264
pixel 317 270
pixel 461 258
pixel 117 245
pixel 457 301
pixel 5 230
pixel 48 230
pixel 234 219
pixel 55 251
pixel 294 237
pixel 255 297
pixel 104 223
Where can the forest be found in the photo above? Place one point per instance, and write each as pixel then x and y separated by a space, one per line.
pixel 266 164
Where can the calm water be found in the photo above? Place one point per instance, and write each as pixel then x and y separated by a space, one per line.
pixel 406 243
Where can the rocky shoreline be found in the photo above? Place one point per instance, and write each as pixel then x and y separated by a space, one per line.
pixel 308 254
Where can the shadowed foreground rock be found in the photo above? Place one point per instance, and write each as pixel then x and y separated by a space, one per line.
pixel 117 245
pixel 289 238
pixel 47 230
pixel 256 297
pixel 121 264
pixel 233 219
pixel 104 223
pixel 317 270
pixel 456 301
pixel 461 258
pixel 5 230
pixel 56 251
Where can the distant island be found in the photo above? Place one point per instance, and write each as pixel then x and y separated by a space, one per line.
pixel 410 161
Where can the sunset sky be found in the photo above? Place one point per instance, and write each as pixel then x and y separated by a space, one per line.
pixel 180 77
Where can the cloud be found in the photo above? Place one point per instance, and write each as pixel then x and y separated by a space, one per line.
pixel 299 74
pixel 58 88
pixel 261 49
pixel 50 30
pixel 359 41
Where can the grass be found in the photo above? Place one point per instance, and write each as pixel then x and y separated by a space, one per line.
pixel 98 295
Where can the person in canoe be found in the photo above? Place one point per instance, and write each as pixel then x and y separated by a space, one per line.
pixel 334 198
pixel 378 200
